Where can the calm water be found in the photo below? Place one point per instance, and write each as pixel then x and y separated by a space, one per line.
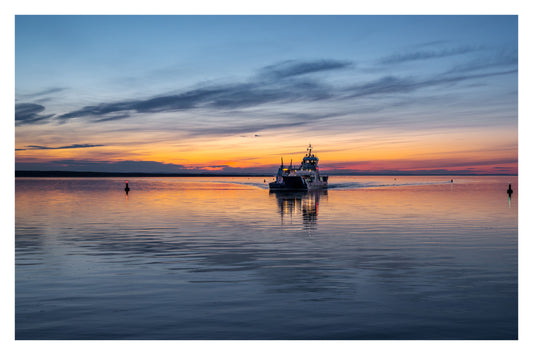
pixel 222 258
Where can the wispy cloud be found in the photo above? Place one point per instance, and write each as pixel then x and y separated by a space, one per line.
pixel 288 82
pixel 431 43
pixel 426 54
pixel 29 113
pixel 291 68
pixel 72 146
pixel 49 91
pixel 502 58
pixel 40 94
pixel 230 96
pixel 244 128
pixel 393 84
pixel 281 82
pixel 114 117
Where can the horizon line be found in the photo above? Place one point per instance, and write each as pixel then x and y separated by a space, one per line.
pixel 72 173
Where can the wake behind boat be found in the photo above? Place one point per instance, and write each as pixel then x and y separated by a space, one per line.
pixel 305 177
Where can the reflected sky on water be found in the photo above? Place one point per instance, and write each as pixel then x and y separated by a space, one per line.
pixel 222 258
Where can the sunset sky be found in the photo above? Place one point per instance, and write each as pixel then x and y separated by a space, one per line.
pixel 234 94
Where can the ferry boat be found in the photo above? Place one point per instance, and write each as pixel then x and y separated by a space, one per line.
pixel 305 177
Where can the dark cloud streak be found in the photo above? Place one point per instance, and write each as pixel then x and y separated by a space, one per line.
pixel 504 58
pixel 29 113
pixel 72 146
pixel 426 54
pixel 284 82
pixel 251 128
pixel 114 118
pixel 291 68
pixel 46 92
pixel 392 84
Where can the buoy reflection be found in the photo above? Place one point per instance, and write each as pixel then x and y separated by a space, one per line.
pixel 509 192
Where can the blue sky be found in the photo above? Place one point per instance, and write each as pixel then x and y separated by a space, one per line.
pixel 94 52
pixel 227 93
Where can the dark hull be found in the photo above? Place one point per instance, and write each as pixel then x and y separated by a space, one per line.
pixel 290 183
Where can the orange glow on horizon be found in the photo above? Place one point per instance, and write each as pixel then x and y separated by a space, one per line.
pixel 488 151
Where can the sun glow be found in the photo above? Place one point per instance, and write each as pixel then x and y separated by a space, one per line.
pixel 373 151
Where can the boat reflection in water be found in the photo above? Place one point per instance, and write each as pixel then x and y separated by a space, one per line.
pixel 291 203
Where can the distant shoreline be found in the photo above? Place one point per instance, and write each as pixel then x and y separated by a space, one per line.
pixel 88 174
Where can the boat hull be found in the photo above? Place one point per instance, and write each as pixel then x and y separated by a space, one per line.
pixel 297 183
